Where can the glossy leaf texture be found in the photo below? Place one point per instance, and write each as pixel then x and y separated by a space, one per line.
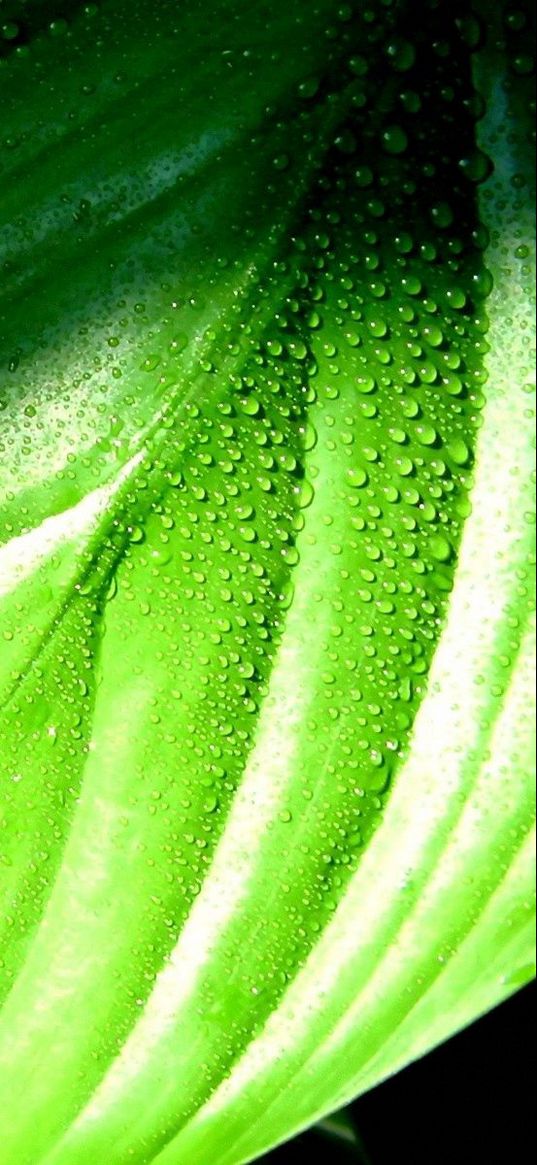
pixel 265 564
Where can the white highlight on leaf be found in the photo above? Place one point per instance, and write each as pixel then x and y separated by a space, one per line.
pixel 22 556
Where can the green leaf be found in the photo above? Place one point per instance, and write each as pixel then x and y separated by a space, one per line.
pixel 340 1130
pixel 265 562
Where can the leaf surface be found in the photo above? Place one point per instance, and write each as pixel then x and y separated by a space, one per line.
pixel 265 567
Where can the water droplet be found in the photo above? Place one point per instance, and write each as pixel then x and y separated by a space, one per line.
pixel 357 478
pixel 440 548
pixel 394 140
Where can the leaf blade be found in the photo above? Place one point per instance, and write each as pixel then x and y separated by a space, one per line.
pixel 137 1107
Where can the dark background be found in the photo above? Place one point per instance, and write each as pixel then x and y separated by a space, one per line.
pixel 469 1102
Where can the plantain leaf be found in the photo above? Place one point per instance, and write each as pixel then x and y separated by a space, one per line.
pixel 265 561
